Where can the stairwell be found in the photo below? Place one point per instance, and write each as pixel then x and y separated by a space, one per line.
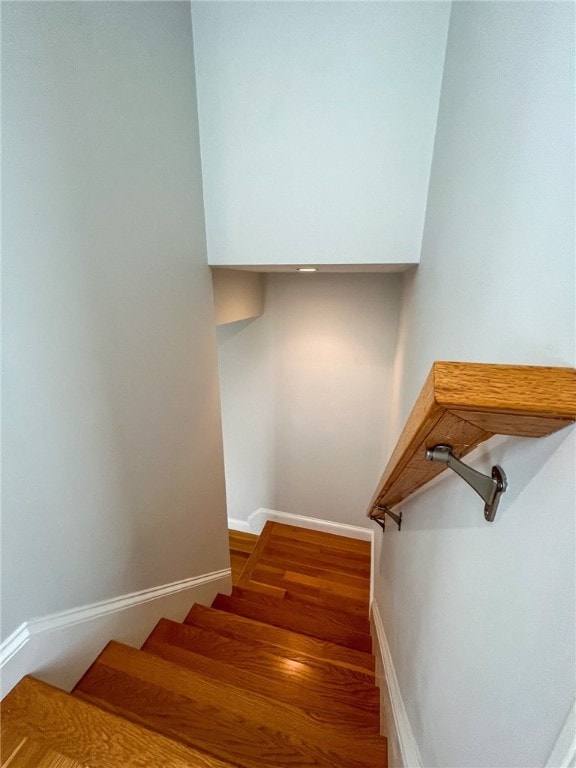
pixel 280 673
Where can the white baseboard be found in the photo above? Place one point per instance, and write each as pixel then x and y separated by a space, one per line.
pixel 59 648
pixel 239 525
pixel 563 754
pixel 402 746
pixel 258 518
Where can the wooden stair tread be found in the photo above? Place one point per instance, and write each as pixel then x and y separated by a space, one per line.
pixel 335 558
pixel 347 620
pixel 244 728
pixel 256 632
pixel 352 707
pixel 242 542
pixel 295 619
pixel 293 558
pixel 310 589
pixel 314 571
pixel 278 674
pixel 325 581
pixel 24 752
pixel 314 590
pixel 264 588
pixel 335 541
pixel 340 682
pixel 338 553
pixel 310 567
pixel 218 623
pixel 89 735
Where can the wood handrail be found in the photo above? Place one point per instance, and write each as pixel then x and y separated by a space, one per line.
pixel 463 404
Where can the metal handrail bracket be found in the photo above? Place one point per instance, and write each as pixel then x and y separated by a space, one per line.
pixel 379 513
pixel 489 488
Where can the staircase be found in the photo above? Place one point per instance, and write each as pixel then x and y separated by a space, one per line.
pixel 280 673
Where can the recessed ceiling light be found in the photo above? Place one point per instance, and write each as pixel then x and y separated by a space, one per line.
pixel 307 269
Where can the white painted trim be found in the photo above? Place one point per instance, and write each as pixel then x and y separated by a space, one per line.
pixel 57 646
pixel 257 519
pixel 106 607
pixel 563 754
pixel 12 644
pixel 372 565
pixel 239 525
pixel 408 747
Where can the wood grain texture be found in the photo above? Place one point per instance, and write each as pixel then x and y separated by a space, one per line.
pixel 424 416
pixel 10 743
pixel 317 557
pixel 331 682
pixel 292 617
pixel 217 624
pixel 90 736
pixel 263 588
pixel 464 404
pixel 246 574
pixel 242 542
pixel 30 754
pixel 316 574
pixel 462 436
pixel 318 591
pixel 236 725
pixel 349 588
pixel 321 707
pixel 288 643
pixel 519 425
pixel 307 583
pixel 515 389
pixel 312 568
pixel 241 545
pixel 338 618
pixel 282 531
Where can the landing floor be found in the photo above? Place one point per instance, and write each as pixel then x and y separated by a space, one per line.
pixel 309 567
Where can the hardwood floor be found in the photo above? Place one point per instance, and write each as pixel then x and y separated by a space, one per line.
pixel 64 724
pixel 277 674
pixel 311 567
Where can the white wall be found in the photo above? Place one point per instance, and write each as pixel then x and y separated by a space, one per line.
pixel 480 617
pixel 112 468
pixel 248 413
pixel 324 349
pixel 317 126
